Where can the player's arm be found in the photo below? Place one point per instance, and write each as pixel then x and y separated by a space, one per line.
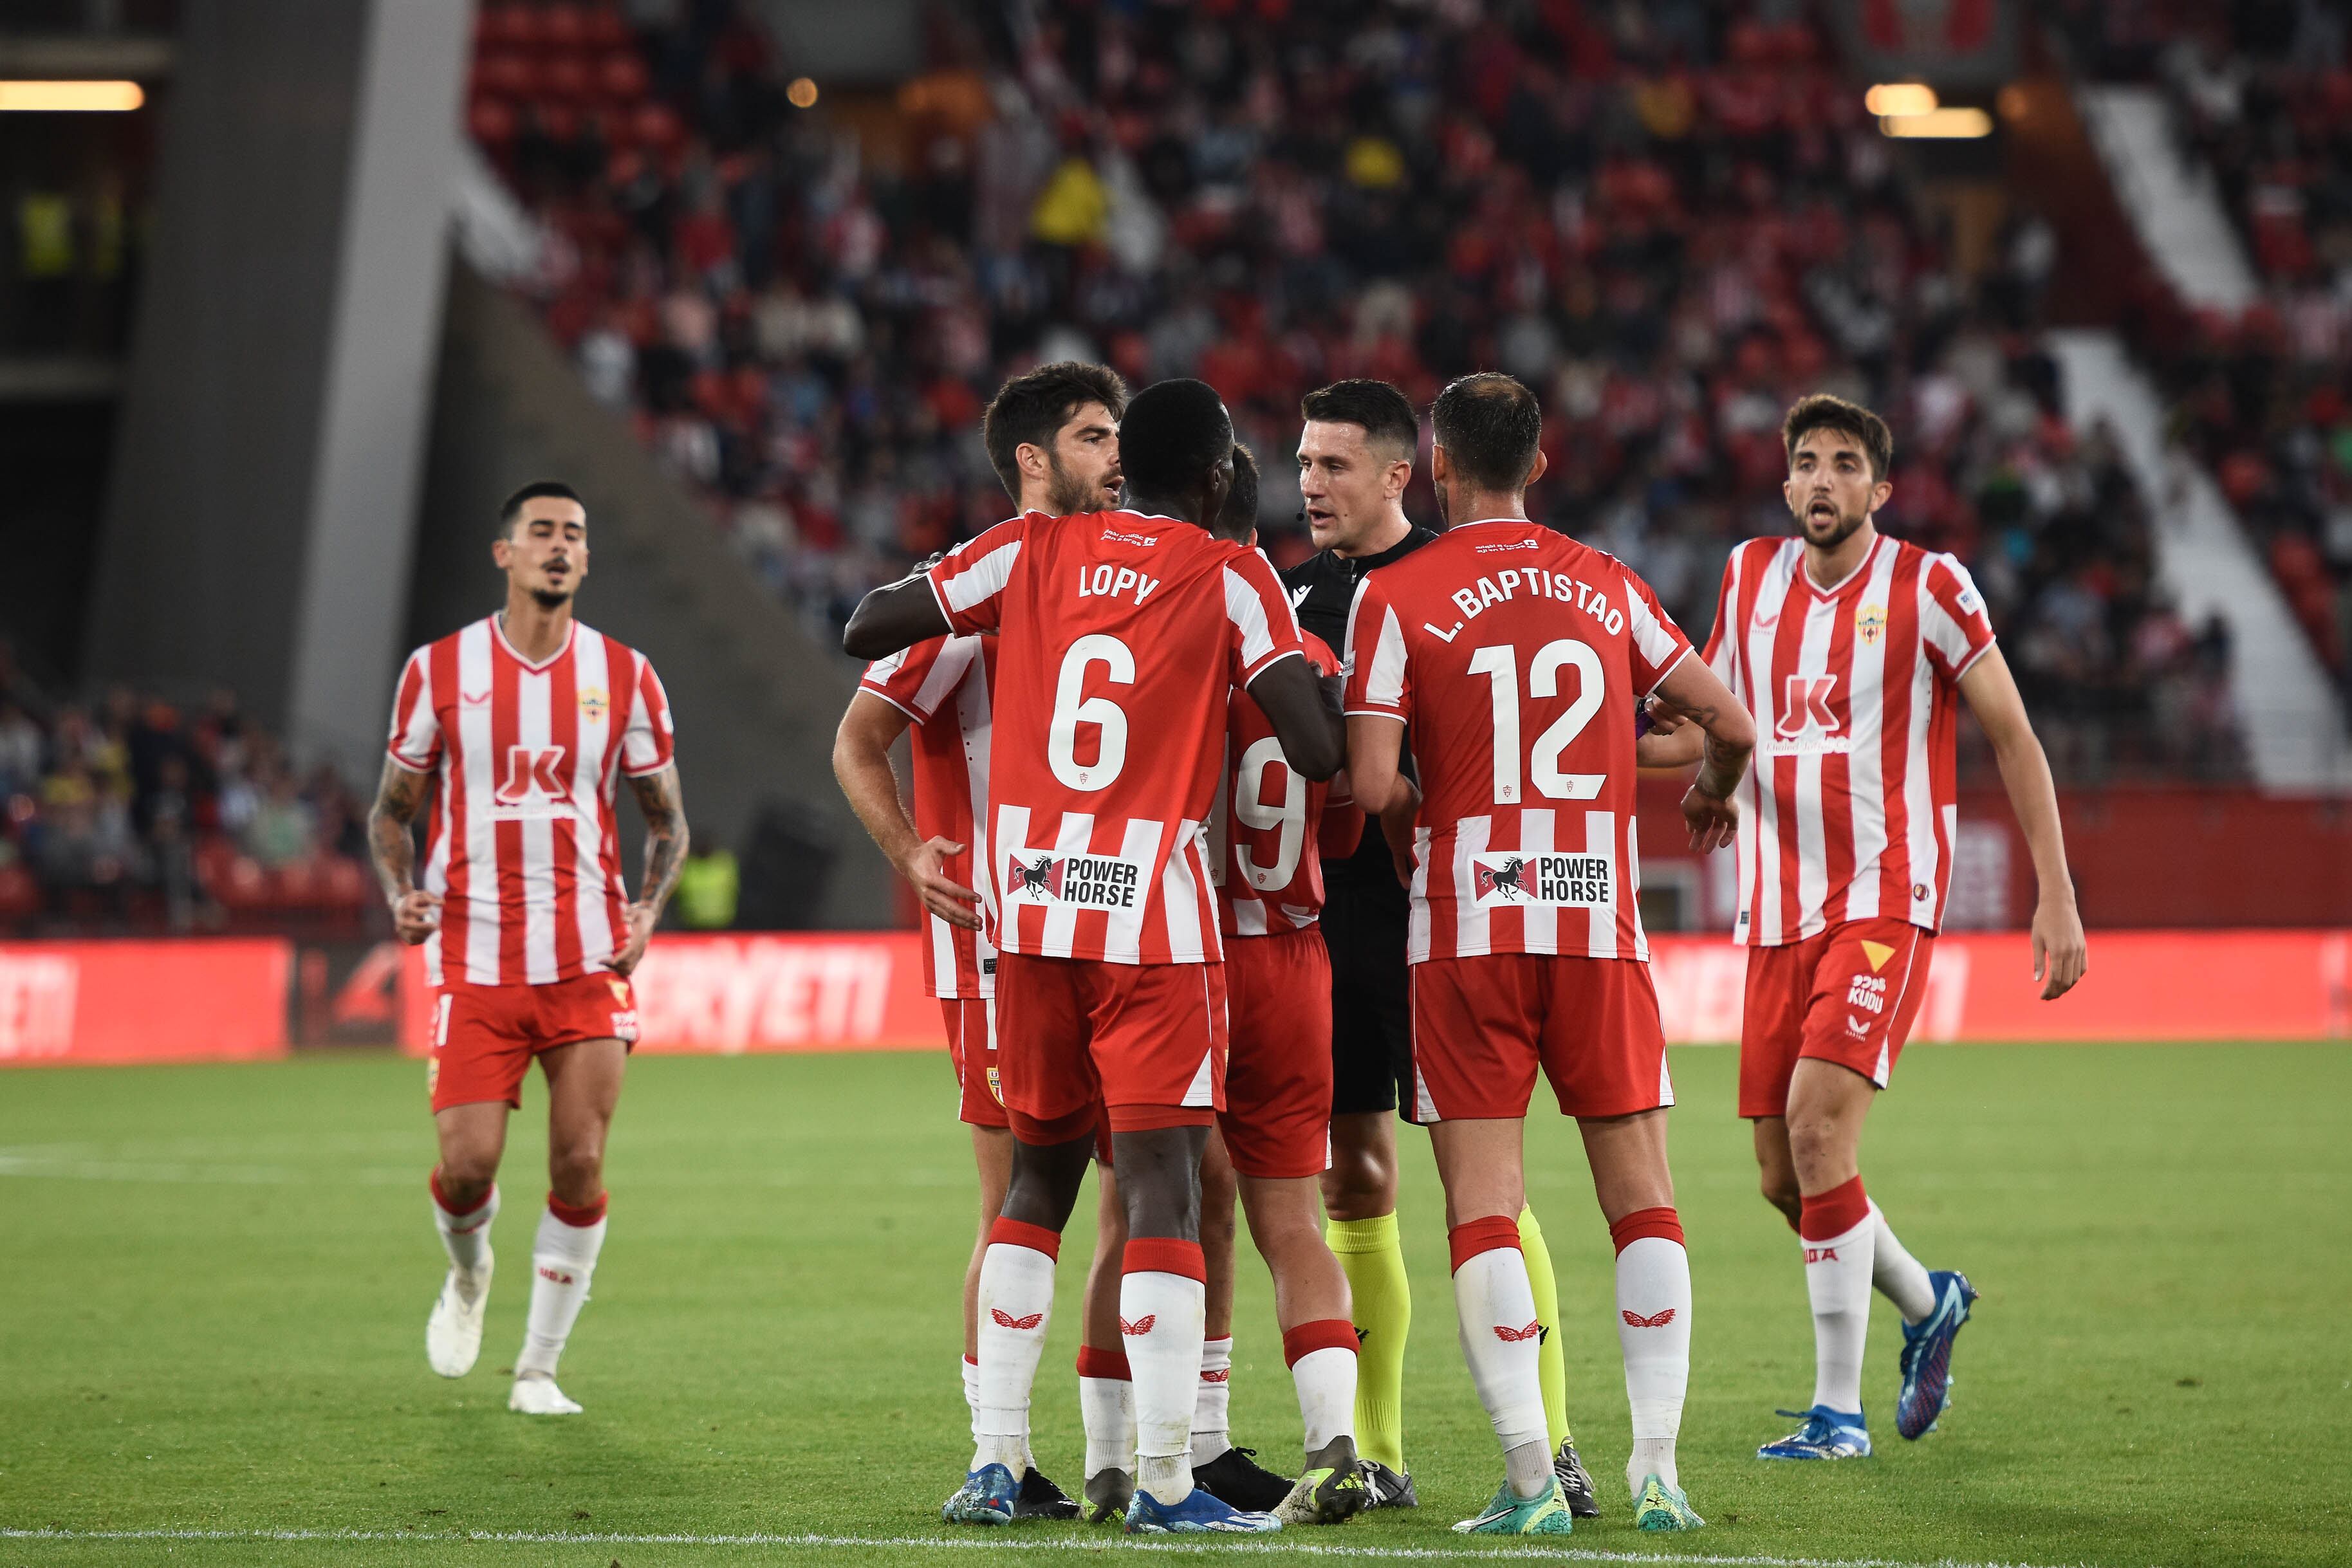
pixel 861 761
pixel 1303 708
pixel 1728 738
pixel 2061 955
pixel 894 616
pixel 662 807
pixel 1671 740
pixel 1376 774
pixel 399 795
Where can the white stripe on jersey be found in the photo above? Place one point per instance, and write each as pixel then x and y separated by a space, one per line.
pixel 1651 639
pixel 1472 927
pixel 1417 922
pixel 1123 933
pixel 1385 682
pixel 1813 839
pixel 473 676
pixel 1601 839
pixel 1539 922
pixel 1180 892
pixel 981 580
pixel 535 733
pixel 1076 837
pixel 1865 765
pixel 1760 889
pixel 1633 885
pixel 1248 612
pixel 973 719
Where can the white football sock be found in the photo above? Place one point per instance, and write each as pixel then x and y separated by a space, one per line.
pixel 1496 1306
pixel 1900 1278
pixel 1210 1421
pixel 1325 1381
pixel 1837 1278
pixel 1016 1304
pixel 971 1369
pixel 1107 1404
pixel 1161 1316
pixel 562 1258
pixel 466 1236
pixel 1653 1330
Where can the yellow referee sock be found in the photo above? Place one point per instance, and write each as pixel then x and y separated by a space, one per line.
pixel 1551 1364
pixel 1373 1259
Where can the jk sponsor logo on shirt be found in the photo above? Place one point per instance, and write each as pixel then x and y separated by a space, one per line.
pixel 1049 879
pixel 1506 880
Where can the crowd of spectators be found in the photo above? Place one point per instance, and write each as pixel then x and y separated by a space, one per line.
pixel 1671 219
pixel 136 815
pixel 2262 96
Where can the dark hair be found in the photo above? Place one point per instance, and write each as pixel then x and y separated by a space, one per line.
pixel 1825 410
pixel 1174 431
pixel 1029 409
pixel 1385 413
pixel 1490 427
pixel 1239 520
pixel 537 489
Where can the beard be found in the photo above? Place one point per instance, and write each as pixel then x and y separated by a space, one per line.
pixel 1066 494
pixel 1834 534
pixel 1444 504
pixel 550 598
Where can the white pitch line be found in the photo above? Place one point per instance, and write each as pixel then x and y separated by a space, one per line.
pixel 992 1542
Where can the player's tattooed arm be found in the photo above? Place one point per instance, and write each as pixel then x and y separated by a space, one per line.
pixel 663 806
pixel 1697 691
pixel 399 795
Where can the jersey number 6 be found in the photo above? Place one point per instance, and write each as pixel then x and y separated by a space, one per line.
pixel 1070 710
pixel 1497 663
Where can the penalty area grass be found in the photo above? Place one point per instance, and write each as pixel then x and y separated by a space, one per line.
pixel 216 1279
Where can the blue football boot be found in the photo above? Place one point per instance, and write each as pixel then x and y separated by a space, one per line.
pixel 988 1496
pixel 1826 1434
pixel 1928 1355
pixel 1200 1514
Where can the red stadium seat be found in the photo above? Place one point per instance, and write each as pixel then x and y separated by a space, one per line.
pixel 567 77
pixel 606 28
pixel 621 77
pixel 561 27
pixel 20 895
pixel 491 122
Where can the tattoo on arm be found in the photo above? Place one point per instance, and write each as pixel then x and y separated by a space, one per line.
pixel 398 797
pixel 658 799
pixel 1720 764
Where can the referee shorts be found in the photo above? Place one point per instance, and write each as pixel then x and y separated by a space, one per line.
pixel 1371 1001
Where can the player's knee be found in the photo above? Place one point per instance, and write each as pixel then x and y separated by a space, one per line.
pixel 468 1170
pixel 1780 1191
pixel 576 1174
pixel 1361 1185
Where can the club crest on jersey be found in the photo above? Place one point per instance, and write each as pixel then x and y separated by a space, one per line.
pixel 1049 878
pixel 594 704
pixel 1506 880
pixel 1869 624
pixel 531 783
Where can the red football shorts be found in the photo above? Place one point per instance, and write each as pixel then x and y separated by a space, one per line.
pixel 1482 1026
pixel 484 1037
pixel 1277 1114
pixel 971 1047
pixel 1145 1040
pixel 1847 996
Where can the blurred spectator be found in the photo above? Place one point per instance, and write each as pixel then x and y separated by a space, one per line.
pixel 1670 220
pixel 707 887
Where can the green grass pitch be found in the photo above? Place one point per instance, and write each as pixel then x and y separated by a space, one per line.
pixel 214 1281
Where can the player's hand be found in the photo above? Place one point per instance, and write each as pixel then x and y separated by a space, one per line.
pixel 950 900
pixel 1714 822
pixel 415 915
pixel 1665 717
pixel 2061 955
pixel 642 919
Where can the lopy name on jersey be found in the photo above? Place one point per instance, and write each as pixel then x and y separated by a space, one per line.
pixel 1502 587
pixel 1107 582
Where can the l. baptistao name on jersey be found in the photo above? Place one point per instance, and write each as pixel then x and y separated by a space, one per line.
pixel 1502 587
pixel 1561 881
pixel 1082 882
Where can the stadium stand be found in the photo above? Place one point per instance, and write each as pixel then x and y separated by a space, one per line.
pixel 2262 96
pixel 1669 221
pixel 138 816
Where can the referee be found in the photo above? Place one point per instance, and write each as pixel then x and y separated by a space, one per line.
pixel 1355 458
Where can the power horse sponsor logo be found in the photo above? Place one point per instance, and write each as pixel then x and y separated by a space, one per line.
pixel 1506 880
pixel 1049 878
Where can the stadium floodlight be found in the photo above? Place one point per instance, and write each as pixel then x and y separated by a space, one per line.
pixel 1900 97
pixel 801 93
pixel 70 97
pixel 1950 124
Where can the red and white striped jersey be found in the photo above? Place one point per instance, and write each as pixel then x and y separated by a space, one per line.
pixel 1273 827
pixel 943 686
pixel 1520 658
pixel 1850 808
pixel 1120 640
pixel 524 845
